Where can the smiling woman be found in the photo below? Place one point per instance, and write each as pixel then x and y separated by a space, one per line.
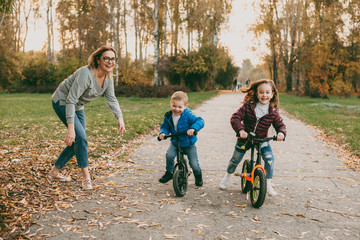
pixel 85 85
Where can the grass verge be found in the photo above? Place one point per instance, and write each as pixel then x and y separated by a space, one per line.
pixel 339 118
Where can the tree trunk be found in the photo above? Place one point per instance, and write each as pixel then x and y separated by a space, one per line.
pixel 176 32
pixel 26 25
pixel 216 33
pixel 125 33
pixel 156 44
pixel 49 27
pixel 79 30
pixel 188 24
pixel 136 28
pixel 165 25
pixel 112 4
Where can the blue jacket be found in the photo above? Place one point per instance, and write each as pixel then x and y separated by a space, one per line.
pixel 187 121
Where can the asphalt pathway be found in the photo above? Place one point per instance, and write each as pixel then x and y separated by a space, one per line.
pixel 318 197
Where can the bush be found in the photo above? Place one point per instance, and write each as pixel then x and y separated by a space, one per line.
pixel 148 91
pixel 340 88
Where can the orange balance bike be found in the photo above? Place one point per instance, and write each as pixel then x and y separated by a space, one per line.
pixel 253 175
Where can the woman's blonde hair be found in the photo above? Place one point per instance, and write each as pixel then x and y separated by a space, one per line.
pixel 252 90
pixel 95 56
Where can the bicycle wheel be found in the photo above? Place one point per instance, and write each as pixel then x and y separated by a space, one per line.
pixel 258 192
pixel 245 184
pixel 179 182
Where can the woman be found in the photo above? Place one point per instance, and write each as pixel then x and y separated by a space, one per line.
pixel 83 86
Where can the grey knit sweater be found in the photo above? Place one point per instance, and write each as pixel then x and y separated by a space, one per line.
pixel 81 88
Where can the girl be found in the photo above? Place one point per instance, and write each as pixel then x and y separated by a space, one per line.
pixel 257 114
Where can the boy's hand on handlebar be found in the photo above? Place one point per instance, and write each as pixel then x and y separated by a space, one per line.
pixel 190 132
pixel 280 137
pixel 162 136
pixel 243 134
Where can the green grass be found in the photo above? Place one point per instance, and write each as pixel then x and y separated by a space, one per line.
pixel 30 117
pixel 338 117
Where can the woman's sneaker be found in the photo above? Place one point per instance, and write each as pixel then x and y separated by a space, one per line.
pixel 167 177
pixel 225 182
pixel 59 177
pixel 86 184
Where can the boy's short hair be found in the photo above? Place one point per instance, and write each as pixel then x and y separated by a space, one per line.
pixel 180 96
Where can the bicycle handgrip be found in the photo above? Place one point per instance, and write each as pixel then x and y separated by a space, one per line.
pixel 174 135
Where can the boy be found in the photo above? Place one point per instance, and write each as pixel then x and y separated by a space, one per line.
pixel 178 120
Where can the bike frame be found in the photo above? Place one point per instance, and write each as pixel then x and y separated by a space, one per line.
pixel 258 158
pixel 180 160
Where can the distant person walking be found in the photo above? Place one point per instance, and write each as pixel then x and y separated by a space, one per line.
pixel 235 83
pixel 85 85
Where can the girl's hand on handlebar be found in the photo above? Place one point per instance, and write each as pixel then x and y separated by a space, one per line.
pixel 280 137
pixel 162 136
pixel 190 132
pixel 243 134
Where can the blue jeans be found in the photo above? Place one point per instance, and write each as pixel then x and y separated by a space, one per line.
pixel 79 147
pixel 190 152
pixel 266 153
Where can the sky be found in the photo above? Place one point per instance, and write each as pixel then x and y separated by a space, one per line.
pixel 234 35
pixel 237 37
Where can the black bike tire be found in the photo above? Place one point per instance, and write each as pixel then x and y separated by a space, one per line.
pixel 245 184
pixel 179 183
pixel 258 191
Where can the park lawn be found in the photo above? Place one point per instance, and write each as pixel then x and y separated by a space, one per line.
pixel 32 137
pixel 27 117
pixel 338 117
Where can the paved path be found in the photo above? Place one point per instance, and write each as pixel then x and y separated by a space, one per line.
pixel 318 198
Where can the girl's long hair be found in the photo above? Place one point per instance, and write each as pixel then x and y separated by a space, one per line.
pixel 251 91
pixel 95 56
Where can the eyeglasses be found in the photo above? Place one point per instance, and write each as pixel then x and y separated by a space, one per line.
pixel 108 60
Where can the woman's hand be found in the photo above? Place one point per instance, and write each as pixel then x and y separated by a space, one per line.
pixel 280 137
pixel 121 125
pixel 243 134
pixel 70 135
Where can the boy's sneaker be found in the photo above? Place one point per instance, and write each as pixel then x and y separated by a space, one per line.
pixel 225 182
pixel 167 177
pixel 198 180
pixel 269 189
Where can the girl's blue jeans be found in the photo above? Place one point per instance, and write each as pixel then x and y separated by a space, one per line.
pixel 79 147
pixel 190 152
pixel 266 153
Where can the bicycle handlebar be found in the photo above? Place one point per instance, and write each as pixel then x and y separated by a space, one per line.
pixel 175 135
pixel 252 137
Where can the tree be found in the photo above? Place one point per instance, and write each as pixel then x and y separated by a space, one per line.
pixel 154 13
pixel 6 6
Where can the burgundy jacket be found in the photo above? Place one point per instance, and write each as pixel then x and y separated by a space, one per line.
pixel 245 119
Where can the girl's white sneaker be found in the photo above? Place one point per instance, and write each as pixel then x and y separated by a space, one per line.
pixel 269 189
pixel 225 182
